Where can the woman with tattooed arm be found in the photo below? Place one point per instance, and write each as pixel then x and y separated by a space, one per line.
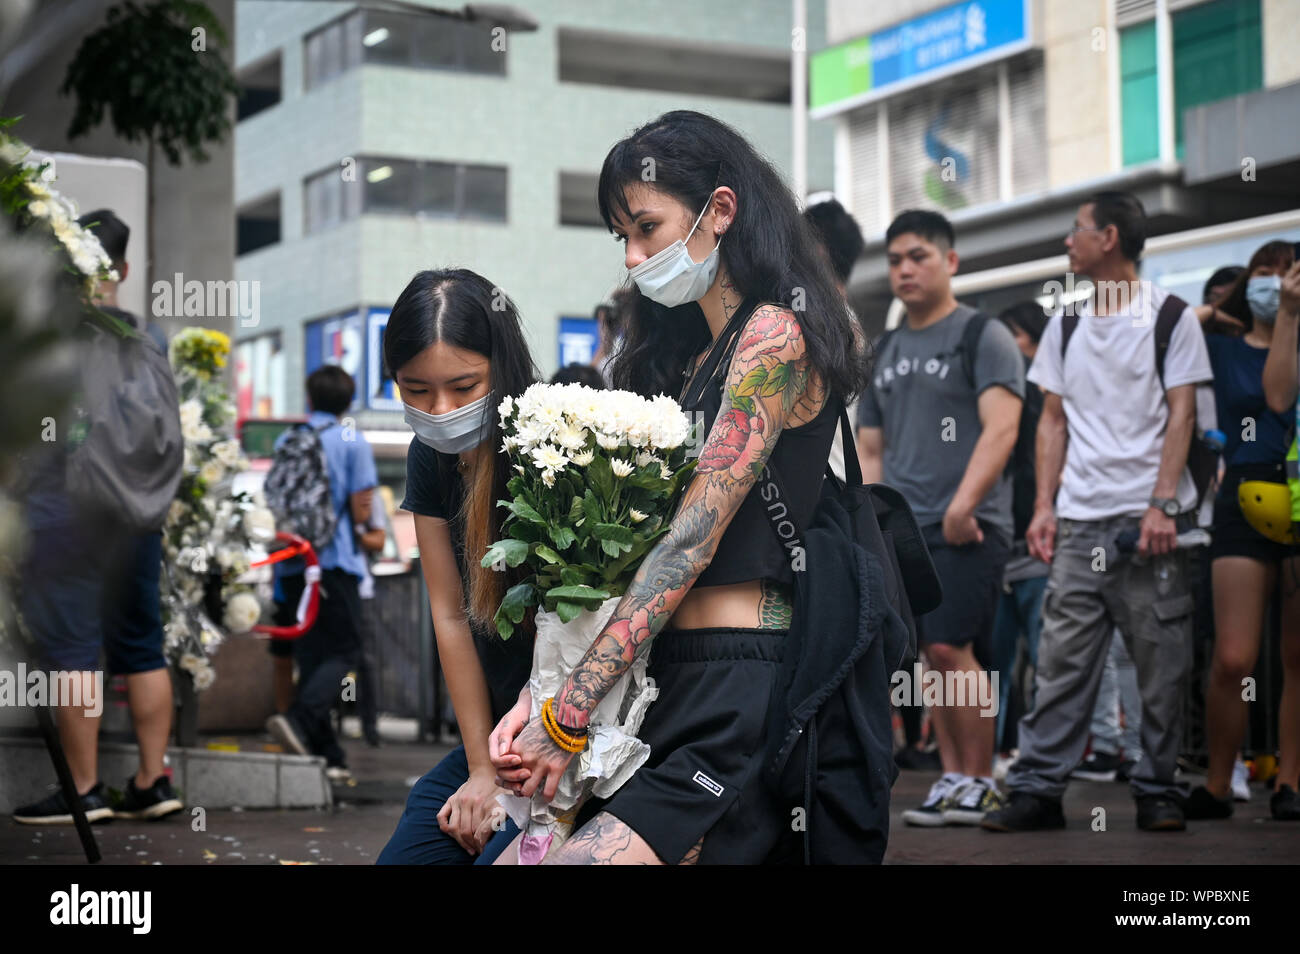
pixel 737 312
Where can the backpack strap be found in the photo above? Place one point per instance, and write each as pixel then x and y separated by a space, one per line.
pixel 1166 321
pixel 970 339
pixel 1069 322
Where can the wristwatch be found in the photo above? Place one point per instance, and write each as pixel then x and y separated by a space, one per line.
pixel 1166 505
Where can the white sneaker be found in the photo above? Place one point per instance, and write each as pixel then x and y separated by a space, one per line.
pixel 969 804
pixel 1240 781
pixel 1002 764
pixel 337 773
pixel 930 814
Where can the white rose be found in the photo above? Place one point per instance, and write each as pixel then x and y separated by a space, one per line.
pixel 242 612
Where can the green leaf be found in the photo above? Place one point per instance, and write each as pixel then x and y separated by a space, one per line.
pixel 575 510
pixel 547 554
pixel 591 507
pixel 513 607
pixel 611 548
pixel 563 537
pixel 578 594
pixel 573 576
pixel 512 552
pixel 601 477
pixel 751 382
pixel 776 380
pixel 567 611
pixel 746 404
pixel 522 510
pixel 613 531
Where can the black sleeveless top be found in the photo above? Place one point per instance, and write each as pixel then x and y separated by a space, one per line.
pixel 749 549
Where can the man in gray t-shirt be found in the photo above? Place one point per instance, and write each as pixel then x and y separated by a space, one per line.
pixel 939 422
pixel 923 401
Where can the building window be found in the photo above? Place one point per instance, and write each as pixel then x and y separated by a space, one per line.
pixel 259 88
pixel 1217 52
pixel 257 224
pixel 703 69
pixel 415 40
pixel 578 204
pixel 438 190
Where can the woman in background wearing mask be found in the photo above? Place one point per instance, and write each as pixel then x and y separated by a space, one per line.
pixel 724 265
pixel 455 349
pixel 1245 565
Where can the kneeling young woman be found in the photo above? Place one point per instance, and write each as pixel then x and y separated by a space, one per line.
pixel 455 352
pixel 736 312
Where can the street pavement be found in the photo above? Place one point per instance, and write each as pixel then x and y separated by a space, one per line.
pixel 366 811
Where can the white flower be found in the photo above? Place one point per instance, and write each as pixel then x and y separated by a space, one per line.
pixel 636 515
pixel 242 612
pixel 259 525
pixel 664 472
pixel 211 472
pixel 506 407
pixel 520 468
pixel 571 436
pixel 621 468
pixel 584 457
pixel 645 459
pixel 547 457
pixel 190 662
pixel 548 477
pixel 39 209
pixel 227 452
pixel 608 441
pixel 204 677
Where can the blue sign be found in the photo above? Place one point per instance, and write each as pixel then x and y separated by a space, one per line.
pixel 579 339
pixel 955 38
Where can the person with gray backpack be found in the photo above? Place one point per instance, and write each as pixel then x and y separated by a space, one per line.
pixel 95 504
pixel 321 487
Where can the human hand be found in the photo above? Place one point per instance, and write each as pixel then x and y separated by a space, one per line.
pixel 544 761
pixel 1041 535
pixel 1289 297
pixel 1158 533
pixel 462 816
pixel 960 526
pixel 509 774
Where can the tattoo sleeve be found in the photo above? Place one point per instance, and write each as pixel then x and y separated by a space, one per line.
pixel 767 376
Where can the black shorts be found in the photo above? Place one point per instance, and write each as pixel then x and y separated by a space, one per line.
pixel 1232 535
pixel 706 736
pixel 971 575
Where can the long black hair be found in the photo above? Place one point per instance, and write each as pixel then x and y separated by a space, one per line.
pixel 465 310
pixel 769 252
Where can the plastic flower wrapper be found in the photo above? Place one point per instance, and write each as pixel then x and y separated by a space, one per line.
pixel 597 476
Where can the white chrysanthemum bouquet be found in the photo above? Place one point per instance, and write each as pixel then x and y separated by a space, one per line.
pixel 597 477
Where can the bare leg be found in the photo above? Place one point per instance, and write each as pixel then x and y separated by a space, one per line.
pixel 970 734
pixel 944 737
pixel 604 841
pixel 79 734
pixel 150 697
pixel 1241 587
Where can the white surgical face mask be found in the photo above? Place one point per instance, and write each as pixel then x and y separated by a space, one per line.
pixel 671 277
pixel 456 431
pixel 1263 293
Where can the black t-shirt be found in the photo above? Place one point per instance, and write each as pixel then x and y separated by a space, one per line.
pixel 434 489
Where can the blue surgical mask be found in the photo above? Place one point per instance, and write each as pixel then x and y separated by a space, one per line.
pixel 456 431
pixel 1262 293
pixel 671 277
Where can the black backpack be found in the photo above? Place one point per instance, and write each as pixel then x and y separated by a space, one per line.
pixel 867 574
pixel 297 487
pixel 1202 458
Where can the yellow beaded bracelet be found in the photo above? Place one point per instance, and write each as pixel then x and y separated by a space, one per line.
pixel 564 740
